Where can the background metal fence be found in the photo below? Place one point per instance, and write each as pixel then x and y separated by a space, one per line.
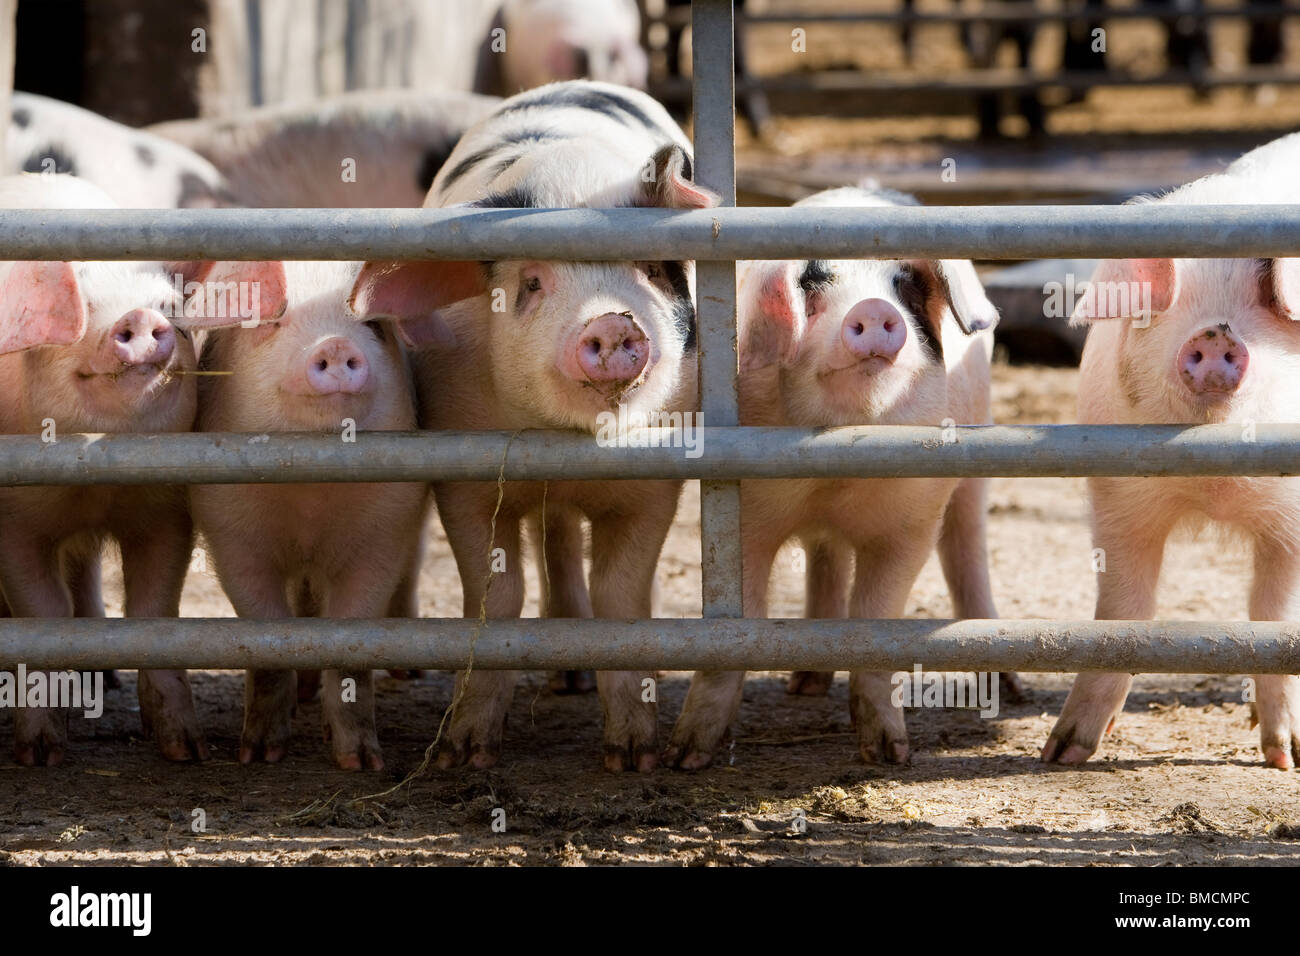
pixel 717 238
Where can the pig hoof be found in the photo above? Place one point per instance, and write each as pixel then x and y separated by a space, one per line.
pixel 476 757
pixel 1278 757
pixel 179 738
pixel 571 682
pixel 354 743
pixel 810 683
pixel 40 738
pixel 883 750
pixel 642 759
pixel 682 757
pixel 1062 750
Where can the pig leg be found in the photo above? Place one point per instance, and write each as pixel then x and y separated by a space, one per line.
pixel 1126 590
pixel 884 578
pixel 256 588
pixel 477 724
pixel 564 584
pixel 35 588
pixel 625 549
pixel 964 556
pixel 714 698
pixel 153 574
pixel 84 576
pixel 827 596
pixel 1277 696
pixel 348 697
pixel 304 604
pixel 406 599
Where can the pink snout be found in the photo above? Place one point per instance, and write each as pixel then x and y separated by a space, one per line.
pixel 142 337
pixel 1213 361
pixel 873 328
pixel 612 349
pixel 336 366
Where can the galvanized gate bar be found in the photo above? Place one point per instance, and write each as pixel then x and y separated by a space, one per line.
pixel 980 232
pixel 680 644
pixel 860 451
pixel 714 128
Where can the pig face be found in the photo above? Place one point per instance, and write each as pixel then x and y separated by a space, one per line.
pixel 316 362
pixel 1201 340
pixel 102 353
pixel 856 341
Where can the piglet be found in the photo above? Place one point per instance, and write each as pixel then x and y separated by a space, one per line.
pixel 855 342
pixel 319 550
pixel 1194 341
pixel 97 347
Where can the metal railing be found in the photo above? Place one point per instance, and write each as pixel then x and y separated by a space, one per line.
pixel 716 238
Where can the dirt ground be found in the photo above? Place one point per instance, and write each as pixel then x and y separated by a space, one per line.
pixel 1179 782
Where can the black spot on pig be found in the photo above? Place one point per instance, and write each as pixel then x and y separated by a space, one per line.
pixel 816 275
pixel 21 116
pixel 917 296
pixel 517 198
pixel 40 161
pixel 577 96
pixel 144 153
pixel 682 305
pixel 526 136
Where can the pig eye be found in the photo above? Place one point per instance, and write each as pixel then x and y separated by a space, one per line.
pixel 532 284
pixel 652 270
pixel 376 326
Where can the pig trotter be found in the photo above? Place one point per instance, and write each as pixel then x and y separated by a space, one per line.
pixel 810 683
pixel 268 705
pixel 167 714
pixel 40 736
pixel 882 732
pixel 348 719
pixel 571 682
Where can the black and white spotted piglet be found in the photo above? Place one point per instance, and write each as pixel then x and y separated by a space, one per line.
pixel 555 345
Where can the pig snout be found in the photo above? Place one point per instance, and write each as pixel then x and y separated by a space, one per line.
pixel 336 365
pixel 873 329
pixel 1213 361
pixel 142 337
pixel 612 350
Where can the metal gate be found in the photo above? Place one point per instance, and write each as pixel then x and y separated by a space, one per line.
pixel 716 238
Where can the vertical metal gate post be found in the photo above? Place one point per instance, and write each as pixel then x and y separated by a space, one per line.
pixel 714 107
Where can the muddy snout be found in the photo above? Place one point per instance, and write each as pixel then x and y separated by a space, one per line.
pixel 142 337
pixel 873 329
pixel 1213 362
pixel 612 351
pixel 336 366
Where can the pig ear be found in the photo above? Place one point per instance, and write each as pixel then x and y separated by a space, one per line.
pixel 412 292
pixel 1118 290
pixel 1280 286
pixel 671 187
pixel 965 294
pixel 771 331
pixel 40 304
pixel 261 285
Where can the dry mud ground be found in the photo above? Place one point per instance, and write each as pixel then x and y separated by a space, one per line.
pixel 1179 782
